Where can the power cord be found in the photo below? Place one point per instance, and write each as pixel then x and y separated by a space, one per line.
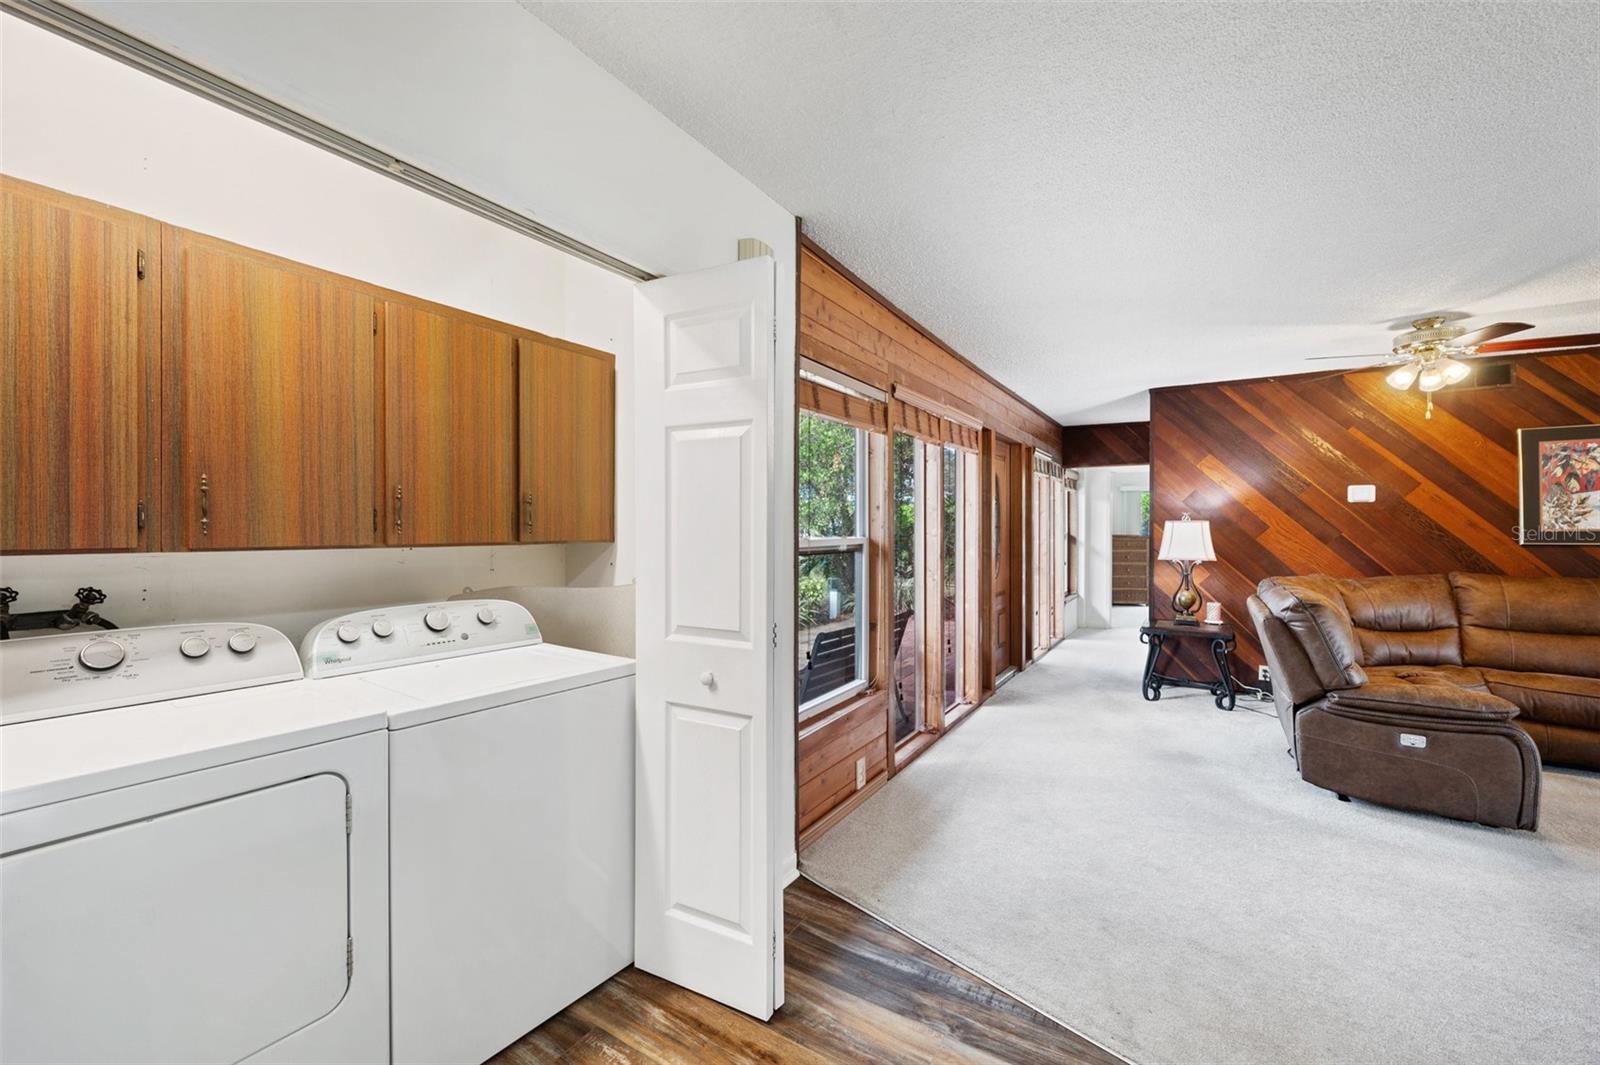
pixel 1260 694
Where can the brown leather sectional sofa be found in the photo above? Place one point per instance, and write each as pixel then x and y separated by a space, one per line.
pixel 1438 693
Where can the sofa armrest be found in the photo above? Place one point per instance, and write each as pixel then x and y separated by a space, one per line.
pixel 1443 701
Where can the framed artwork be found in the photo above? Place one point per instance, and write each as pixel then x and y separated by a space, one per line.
pixel 1559 472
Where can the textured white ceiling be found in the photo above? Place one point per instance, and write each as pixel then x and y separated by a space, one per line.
pixel 1090 200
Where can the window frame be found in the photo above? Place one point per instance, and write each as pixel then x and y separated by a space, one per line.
pixel 858 546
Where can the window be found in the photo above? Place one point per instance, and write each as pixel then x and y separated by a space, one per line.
pixel 951 544
pixel 1072 541
pixel 831 563
pixel 905 481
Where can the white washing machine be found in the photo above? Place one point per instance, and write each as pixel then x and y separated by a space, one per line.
pixel 510 817
pixel 193 852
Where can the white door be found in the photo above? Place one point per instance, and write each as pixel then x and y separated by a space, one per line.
pixel 707 901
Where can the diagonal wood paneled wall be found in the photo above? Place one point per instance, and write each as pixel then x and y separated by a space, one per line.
pixel 1109 444
pixel 1267 461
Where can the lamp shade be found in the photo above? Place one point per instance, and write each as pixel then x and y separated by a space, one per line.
pixel 1187 541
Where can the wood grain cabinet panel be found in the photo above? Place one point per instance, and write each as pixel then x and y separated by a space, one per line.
pixel 271 381
pixel 77 330
pixel 568 442
pixel 450 428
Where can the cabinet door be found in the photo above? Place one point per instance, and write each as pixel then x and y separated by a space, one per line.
pixel 270 368
pixel 77 333
pixel 450 429
pixel 568 415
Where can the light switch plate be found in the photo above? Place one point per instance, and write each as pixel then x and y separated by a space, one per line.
pixel 1361 493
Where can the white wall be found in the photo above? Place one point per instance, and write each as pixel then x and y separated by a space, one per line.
pixel 1099 495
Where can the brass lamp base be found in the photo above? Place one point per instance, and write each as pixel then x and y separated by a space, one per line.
pixel 1187 599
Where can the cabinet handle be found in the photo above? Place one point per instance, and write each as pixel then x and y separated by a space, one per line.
pixel 139 513
pixel 399 512
pixel 527 511
pixel 205 505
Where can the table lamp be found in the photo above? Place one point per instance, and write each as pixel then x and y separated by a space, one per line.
pixel 1186 544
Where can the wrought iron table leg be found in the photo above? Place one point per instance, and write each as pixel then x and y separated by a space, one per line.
pixel 1150 687
pixel 1224 691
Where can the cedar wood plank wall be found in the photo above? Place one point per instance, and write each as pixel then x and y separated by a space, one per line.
pixel 1109 444
pixel 849 328
pixel 1267 461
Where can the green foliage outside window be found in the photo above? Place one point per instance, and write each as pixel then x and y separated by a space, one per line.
pixel 826 478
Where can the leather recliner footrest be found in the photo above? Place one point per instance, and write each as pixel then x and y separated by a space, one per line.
pixel 1469 768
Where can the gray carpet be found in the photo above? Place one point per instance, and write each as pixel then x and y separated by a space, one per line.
pixel 1157 876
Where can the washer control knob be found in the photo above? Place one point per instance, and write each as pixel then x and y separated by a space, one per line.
pixel 195 647
pixel 242 643
pixel 437 620
pixel 486 615
pixel 347 633
pixel 101 655
pixel 382 628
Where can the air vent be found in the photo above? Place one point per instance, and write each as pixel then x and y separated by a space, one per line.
pixel 1491 375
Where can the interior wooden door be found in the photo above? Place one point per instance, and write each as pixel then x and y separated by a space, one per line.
pixel 568 442
pixel 1001 558
pixel 450 428
pixel 270 369
pixel 78 324
pixel 708 903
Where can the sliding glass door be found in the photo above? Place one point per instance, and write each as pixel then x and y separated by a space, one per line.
pixel 951 572
pixel 906 638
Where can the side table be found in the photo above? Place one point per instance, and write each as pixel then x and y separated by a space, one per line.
pixel 1220 640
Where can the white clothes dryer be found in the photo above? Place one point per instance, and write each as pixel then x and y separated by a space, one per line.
pixel 193 852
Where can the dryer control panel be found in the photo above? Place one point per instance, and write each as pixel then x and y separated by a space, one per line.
pixel 98 669
pixel 421 632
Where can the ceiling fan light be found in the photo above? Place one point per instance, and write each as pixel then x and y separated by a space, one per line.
pixel 1401 376
pixel 1431 379
pixel 1454 371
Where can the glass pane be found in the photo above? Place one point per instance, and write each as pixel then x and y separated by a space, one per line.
pixel 826 478
pixel 949 579
pixel 905 634
pixel 827 644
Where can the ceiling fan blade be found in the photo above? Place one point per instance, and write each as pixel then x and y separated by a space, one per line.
pixel 1488 333
pixel 1380 355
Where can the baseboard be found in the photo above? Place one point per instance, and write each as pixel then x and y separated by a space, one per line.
pixel 840 812
pixel 789 871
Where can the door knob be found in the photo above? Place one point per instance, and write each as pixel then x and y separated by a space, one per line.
pixel 709 679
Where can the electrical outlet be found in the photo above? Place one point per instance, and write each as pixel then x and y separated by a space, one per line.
pixel 1264 674
pixel 861 772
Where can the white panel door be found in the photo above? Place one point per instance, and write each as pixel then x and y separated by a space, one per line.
pixel 707 901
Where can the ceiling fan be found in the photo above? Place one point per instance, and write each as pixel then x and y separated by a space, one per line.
pixel 1430 355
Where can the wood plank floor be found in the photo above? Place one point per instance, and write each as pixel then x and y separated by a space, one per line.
pixel 857 991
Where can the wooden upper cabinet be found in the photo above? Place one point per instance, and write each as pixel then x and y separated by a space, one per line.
pixel 272 401
pixel 450 428
pixel 78 329
pixel 568 437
